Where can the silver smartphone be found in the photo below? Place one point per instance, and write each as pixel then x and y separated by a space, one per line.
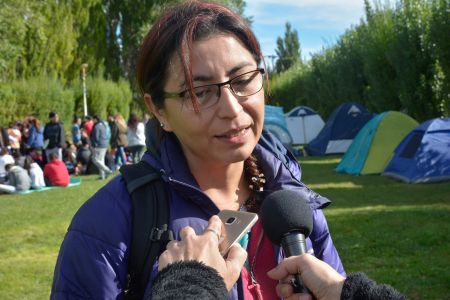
pixel 236 224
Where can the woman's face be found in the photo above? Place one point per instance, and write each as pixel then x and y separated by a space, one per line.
pixel 228 131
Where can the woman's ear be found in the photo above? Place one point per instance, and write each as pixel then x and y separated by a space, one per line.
pixel 157 112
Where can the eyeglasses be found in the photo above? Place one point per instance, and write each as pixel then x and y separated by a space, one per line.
pixel 241 86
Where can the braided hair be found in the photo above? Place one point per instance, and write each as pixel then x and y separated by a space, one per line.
pixel 255 179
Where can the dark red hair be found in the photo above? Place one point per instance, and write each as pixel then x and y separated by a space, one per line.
pixel 175 32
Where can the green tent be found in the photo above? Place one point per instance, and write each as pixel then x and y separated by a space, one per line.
pixel 374 145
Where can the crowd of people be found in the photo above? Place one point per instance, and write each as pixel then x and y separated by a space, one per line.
pixel 34 155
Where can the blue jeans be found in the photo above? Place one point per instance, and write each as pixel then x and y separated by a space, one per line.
pixel 120 155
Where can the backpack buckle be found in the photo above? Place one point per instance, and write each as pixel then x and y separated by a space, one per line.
pixel 161 235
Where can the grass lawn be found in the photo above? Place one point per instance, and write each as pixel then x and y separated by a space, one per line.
pixel 396 233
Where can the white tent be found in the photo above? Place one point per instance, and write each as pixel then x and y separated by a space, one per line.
pixel 304 124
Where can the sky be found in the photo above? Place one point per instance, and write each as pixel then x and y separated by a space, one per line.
pixel 319 23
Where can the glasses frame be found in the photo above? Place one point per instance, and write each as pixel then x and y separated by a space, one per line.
pixel 219 85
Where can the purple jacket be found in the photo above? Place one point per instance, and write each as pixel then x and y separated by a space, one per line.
pixel 93 258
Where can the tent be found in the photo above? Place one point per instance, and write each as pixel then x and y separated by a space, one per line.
pixel 340 129
pixel 374 145
pixel 424 154
pixel 304 124
pixel 275 122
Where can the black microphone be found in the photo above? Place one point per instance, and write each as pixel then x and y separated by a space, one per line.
pixel 287 220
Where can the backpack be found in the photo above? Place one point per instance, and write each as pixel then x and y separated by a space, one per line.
pixel 107 130
pixel 150 219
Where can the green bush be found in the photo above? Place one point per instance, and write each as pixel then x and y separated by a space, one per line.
pixel 35 96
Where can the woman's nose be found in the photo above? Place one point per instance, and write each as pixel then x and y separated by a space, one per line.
pixel 229 105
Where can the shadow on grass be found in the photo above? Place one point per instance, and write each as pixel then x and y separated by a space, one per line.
pixel 368 190
pixel 407 248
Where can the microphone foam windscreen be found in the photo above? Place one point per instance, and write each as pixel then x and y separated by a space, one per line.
pixel 285 211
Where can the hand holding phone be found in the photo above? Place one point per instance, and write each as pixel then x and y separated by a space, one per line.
pixel 204 248
pixel 235 225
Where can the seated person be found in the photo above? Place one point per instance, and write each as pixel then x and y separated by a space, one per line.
pixel 69 157
pixel 36 155
pixel 36 173
pixel 5 159
pixel 83 156
pixel 18 180
pixel 55 172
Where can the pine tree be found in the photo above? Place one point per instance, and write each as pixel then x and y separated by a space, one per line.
pixel 288 49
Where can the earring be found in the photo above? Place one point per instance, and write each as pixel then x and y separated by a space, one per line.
pixel 161 124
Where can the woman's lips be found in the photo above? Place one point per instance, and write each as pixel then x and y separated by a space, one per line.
pixel 235 136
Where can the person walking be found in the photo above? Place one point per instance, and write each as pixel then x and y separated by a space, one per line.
pixel 99 144
pixel 119 139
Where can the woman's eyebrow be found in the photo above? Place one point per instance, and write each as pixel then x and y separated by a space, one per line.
pixel 210 78
pixel 238 67
pixel 196 78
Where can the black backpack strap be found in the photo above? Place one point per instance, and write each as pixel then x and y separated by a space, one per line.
pixel 150 224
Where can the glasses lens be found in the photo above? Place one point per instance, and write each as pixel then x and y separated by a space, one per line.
pixel 242 86
pixel 247 84
pixel 206 96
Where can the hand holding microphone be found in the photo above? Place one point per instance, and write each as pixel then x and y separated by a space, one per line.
pixel 287 220
pixel 322 280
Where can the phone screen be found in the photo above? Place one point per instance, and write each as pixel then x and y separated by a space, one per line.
pixel 236 225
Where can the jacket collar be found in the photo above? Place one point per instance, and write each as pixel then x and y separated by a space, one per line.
pixel 278 165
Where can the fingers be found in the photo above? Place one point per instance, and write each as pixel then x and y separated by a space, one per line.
pixel 233 265
pixel 286 291
pixel 186 232
pixel 237 256
pixel 290 265
pixel 215 224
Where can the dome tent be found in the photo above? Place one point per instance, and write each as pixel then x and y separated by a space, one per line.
pixel 340 129
pixel 424 154
pixel 275 122
pixel 304 124
pixel 374 145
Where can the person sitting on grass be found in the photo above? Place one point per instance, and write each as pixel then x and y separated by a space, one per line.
pixel 5 159
pixel 36 173
pixel 55 172
pixel 18 180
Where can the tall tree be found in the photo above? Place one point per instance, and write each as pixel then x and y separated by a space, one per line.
pixel 288 49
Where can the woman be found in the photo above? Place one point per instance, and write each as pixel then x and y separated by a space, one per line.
pixel 35 139
pixel 35 172
pixel 119 139
pixel 199 70
pixel 136 138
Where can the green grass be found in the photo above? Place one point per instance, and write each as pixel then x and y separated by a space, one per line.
pixel 395 232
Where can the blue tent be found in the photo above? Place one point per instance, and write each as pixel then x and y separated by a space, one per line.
pixel 275 122
pixel 340 129
pixel 424 154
